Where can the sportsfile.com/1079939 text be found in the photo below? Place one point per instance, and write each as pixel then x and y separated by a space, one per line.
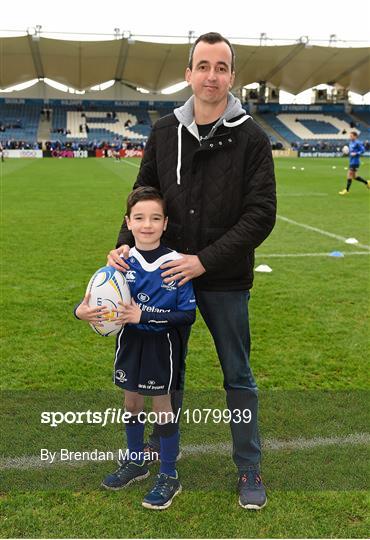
pixel 119 416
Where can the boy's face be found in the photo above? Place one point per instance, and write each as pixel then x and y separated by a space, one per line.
pixel 147 223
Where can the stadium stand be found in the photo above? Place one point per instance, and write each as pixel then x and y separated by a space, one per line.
pixel 91 124
pixel 19 122
pixel 95 124
pixel 319 127
pixel 362 114
pixel 281 129
pixel 163 111
pixel 277 140
pixel 314 127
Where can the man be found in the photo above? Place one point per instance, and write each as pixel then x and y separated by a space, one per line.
pixel 356 148
pixel 213 165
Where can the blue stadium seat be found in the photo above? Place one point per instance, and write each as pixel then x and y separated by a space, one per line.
pixel 319 127
pixel 26 116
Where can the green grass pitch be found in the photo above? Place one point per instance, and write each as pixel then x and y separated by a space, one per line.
pixel 310 350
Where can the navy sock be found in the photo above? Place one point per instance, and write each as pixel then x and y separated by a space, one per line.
pixel 349 182
pixel 135 440
pixel 169 452
pixel 360 179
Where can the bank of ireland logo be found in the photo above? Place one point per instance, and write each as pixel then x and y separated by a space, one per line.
pixel 121 375
pixel 143 297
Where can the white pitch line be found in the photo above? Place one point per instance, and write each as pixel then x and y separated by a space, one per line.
pixel 320 231
pixel 276 445
pixel 34 462
pixel 283 255
pixel 307 194
pixel 130 163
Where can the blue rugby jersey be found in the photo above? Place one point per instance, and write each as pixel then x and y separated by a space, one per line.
pixel 358 148
pixel 162 304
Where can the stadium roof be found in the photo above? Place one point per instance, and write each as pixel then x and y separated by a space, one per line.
pixel 155 66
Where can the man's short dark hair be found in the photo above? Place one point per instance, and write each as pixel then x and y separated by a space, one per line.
pixel 355 133
pixel 145 193
pixel 211 38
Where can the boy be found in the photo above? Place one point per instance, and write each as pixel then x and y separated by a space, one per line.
pixel 150 348
pixel 356 148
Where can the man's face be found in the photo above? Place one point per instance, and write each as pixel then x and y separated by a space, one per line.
pixel 211 77
pixel 352 136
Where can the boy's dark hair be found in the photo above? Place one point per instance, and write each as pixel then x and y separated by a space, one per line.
pixel 145 193
pixel 211 38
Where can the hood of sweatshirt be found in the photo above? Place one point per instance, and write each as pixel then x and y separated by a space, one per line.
pixel 185 116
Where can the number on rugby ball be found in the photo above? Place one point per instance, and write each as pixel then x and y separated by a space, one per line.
pixel 107 287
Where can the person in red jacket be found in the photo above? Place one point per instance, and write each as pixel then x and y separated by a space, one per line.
pixel 213 164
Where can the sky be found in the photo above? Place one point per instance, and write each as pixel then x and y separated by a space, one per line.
pixel 278 19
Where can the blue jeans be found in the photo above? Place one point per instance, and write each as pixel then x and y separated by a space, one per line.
pixel 226 315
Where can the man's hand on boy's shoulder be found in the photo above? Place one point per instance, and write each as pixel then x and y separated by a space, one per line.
pixel 115 258
pixel 128 313
pixel 182 270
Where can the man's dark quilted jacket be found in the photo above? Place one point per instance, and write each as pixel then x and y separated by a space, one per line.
pixel 221 204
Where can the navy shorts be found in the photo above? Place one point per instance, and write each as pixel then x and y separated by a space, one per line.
pixel 150 363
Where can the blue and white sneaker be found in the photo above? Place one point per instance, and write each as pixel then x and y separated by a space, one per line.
pixel 127 473
pixel 252 493
pixel 165 489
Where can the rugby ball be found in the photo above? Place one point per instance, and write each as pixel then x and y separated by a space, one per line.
pixel 107 287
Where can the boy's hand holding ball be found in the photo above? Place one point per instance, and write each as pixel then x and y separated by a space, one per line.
pixel 128 313
pixel 92 315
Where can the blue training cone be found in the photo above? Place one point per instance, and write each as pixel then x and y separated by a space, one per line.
pixel 336 254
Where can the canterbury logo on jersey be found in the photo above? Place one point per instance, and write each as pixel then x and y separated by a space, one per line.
pixel 130 275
